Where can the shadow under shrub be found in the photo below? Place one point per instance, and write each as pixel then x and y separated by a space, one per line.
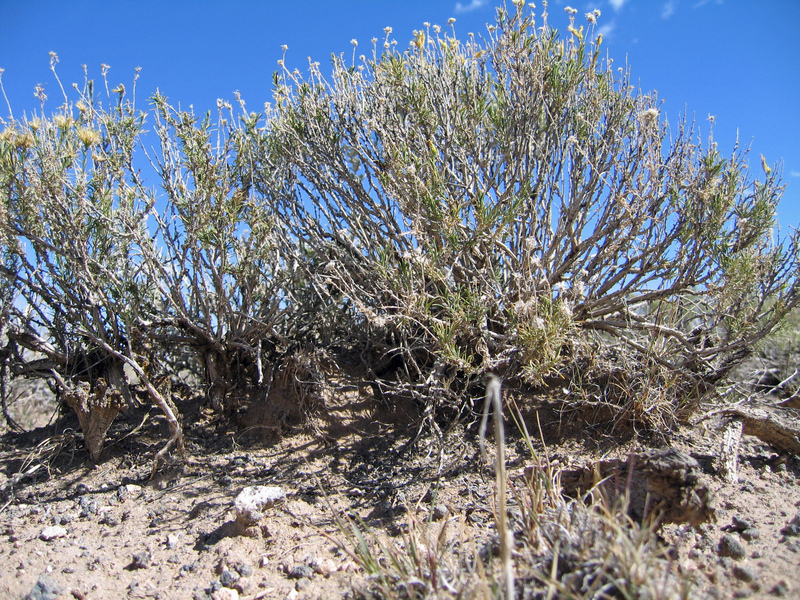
pixel 73 226
pixel 514 205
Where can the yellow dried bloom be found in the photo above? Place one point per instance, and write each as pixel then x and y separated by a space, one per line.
pixel 578 33
pixel 24 141
pixel 88 136
pixel 8 135
pixel 765 166
pixel 62 121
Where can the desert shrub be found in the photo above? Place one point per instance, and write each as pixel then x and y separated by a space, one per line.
pixel 223 260
pixel 508 205
pixel 74 224
pixel 113 286
pixel 515 205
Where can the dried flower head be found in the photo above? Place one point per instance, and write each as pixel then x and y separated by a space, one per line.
pixel 62 122
pixel 88 136
pixel 8 134
pixel 649 117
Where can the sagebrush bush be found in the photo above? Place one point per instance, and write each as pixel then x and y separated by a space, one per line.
pixel 509 204
pixel 514 205
pixel 75 221
pixel 222 260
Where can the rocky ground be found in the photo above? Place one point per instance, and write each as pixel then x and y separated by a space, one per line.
pixel 72 529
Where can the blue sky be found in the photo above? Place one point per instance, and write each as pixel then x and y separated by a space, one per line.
pixel 735 59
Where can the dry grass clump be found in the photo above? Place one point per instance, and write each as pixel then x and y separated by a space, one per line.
pixel 559 547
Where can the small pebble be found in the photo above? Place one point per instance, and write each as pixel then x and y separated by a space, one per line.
pixel 780 589
pixel 730 546
pixel 740 524
pixel 301 572
pixel 440 512
pixel 228 578
pixel 141 560
pixel 46 588
pixel 190 567
pixel 745 573
pixel 242 585
pixel 110 519
pixel 326 567
pixel 51 533
pixel 793 528
pixel 750 534
pixel 225 594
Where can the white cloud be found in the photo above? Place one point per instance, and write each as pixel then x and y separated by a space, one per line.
pixel 703 2
pixel 667 9
pixel 794 173
pixel 606 30
pixel 474 5
pixel 617 4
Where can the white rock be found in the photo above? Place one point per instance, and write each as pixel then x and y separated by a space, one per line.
pixel 225 594
pixel 251 503
pixel 51 533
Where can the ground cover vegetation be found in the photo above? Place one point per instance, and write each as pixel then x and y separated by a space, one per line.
pixel 509 205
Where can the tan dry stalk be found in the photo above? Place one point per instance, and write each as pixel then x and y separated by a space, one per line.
pixel 494 399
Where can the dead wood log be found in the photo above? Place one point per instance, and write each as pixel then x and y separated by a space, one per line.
pixel 663 483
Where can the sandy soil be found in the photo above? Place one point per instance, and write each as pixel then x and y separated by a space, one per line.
pixel 108 531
